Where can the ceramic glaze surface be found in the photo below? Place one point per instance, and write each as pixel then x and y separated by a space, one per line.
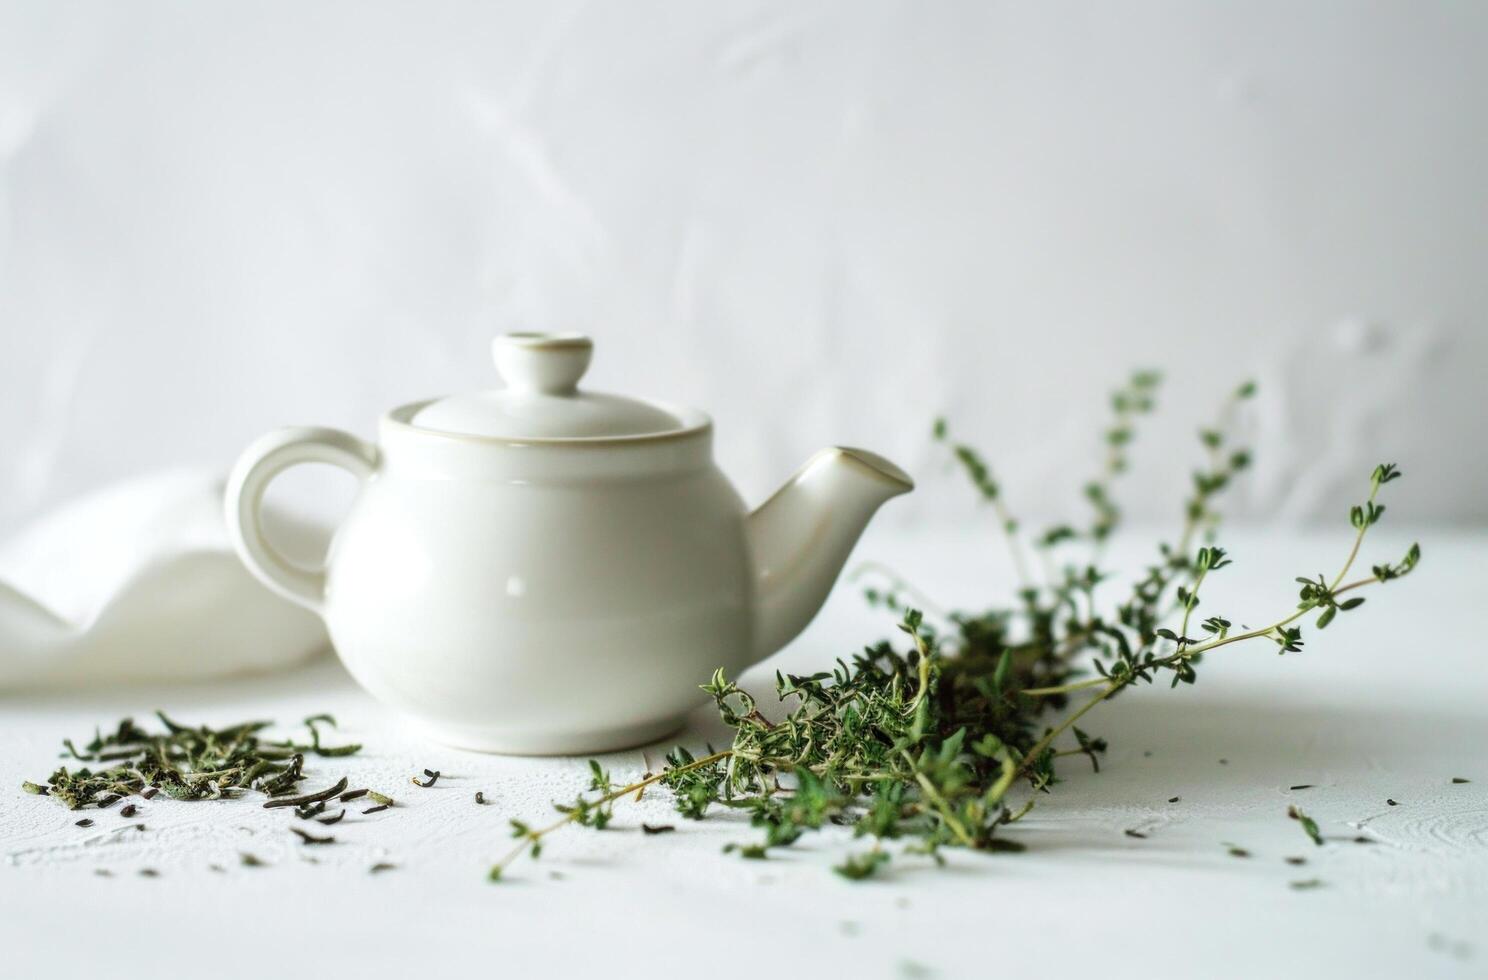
pixel 541 399
pixel 559 604
pixel 556 593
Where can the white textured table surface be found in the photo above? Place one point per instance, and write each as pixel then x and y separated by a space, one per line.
pixel 1391 702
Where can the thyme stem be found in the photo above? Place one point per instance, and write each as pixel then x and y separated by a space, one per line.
pixel 532 837
pixel 899 584
pixel 934 796
pixel 1014 541
pixel 1064 688
pixel 1030 758
pixel 1364 527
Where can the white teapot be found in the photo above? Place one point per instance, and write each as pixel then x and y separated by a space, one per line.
pixel 543 570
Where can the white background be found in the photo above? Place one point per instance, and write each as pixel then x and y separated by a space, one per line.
pixel 822 222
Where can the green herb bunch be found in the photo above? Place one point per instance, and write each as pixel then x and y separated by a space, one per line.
pixel 924 744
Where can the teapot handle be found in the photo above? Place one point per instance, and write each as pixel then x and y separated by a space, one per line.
pixel 268 456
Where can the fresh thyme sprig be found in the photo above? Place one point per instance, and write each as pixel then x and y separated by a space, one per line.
pixel 584 812
pixel 980 475
pixel 1134 399
pixel 925 745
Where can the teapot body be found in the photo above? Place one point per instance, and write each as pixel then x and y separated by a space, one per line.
pixel 539 569
pixel 541 599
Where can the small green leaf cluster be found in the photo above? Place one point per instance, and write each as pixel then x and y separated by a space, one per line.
pixel 592 814
pixel 1384 573
pixel 1136 398
pixel 870 745
pixel 1223 465
pixel 860 866
pixel 975 467
pixel 694 786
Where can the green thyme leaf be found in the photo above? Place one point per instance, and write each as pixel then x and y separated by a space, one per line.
pixel 1309 826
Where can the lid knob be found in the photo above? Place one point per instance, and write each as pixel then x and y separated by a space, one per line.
pixel 545 363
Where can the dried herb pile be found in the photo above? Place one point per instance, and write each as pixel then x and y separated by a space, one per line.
pixel 923 744
pixel 188 762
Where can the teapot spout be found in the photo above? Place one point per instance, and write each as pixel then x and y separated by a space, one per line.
pixel 800 538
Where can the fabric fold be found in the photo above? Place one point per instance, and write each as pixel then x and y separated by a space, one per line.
pixel 138 582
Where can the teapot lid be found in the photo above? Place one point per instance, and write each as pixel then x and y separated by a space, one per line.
pixel 542 399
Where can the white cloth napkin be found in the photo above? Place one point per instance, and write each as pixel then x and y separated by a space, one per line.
pixel 138 582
